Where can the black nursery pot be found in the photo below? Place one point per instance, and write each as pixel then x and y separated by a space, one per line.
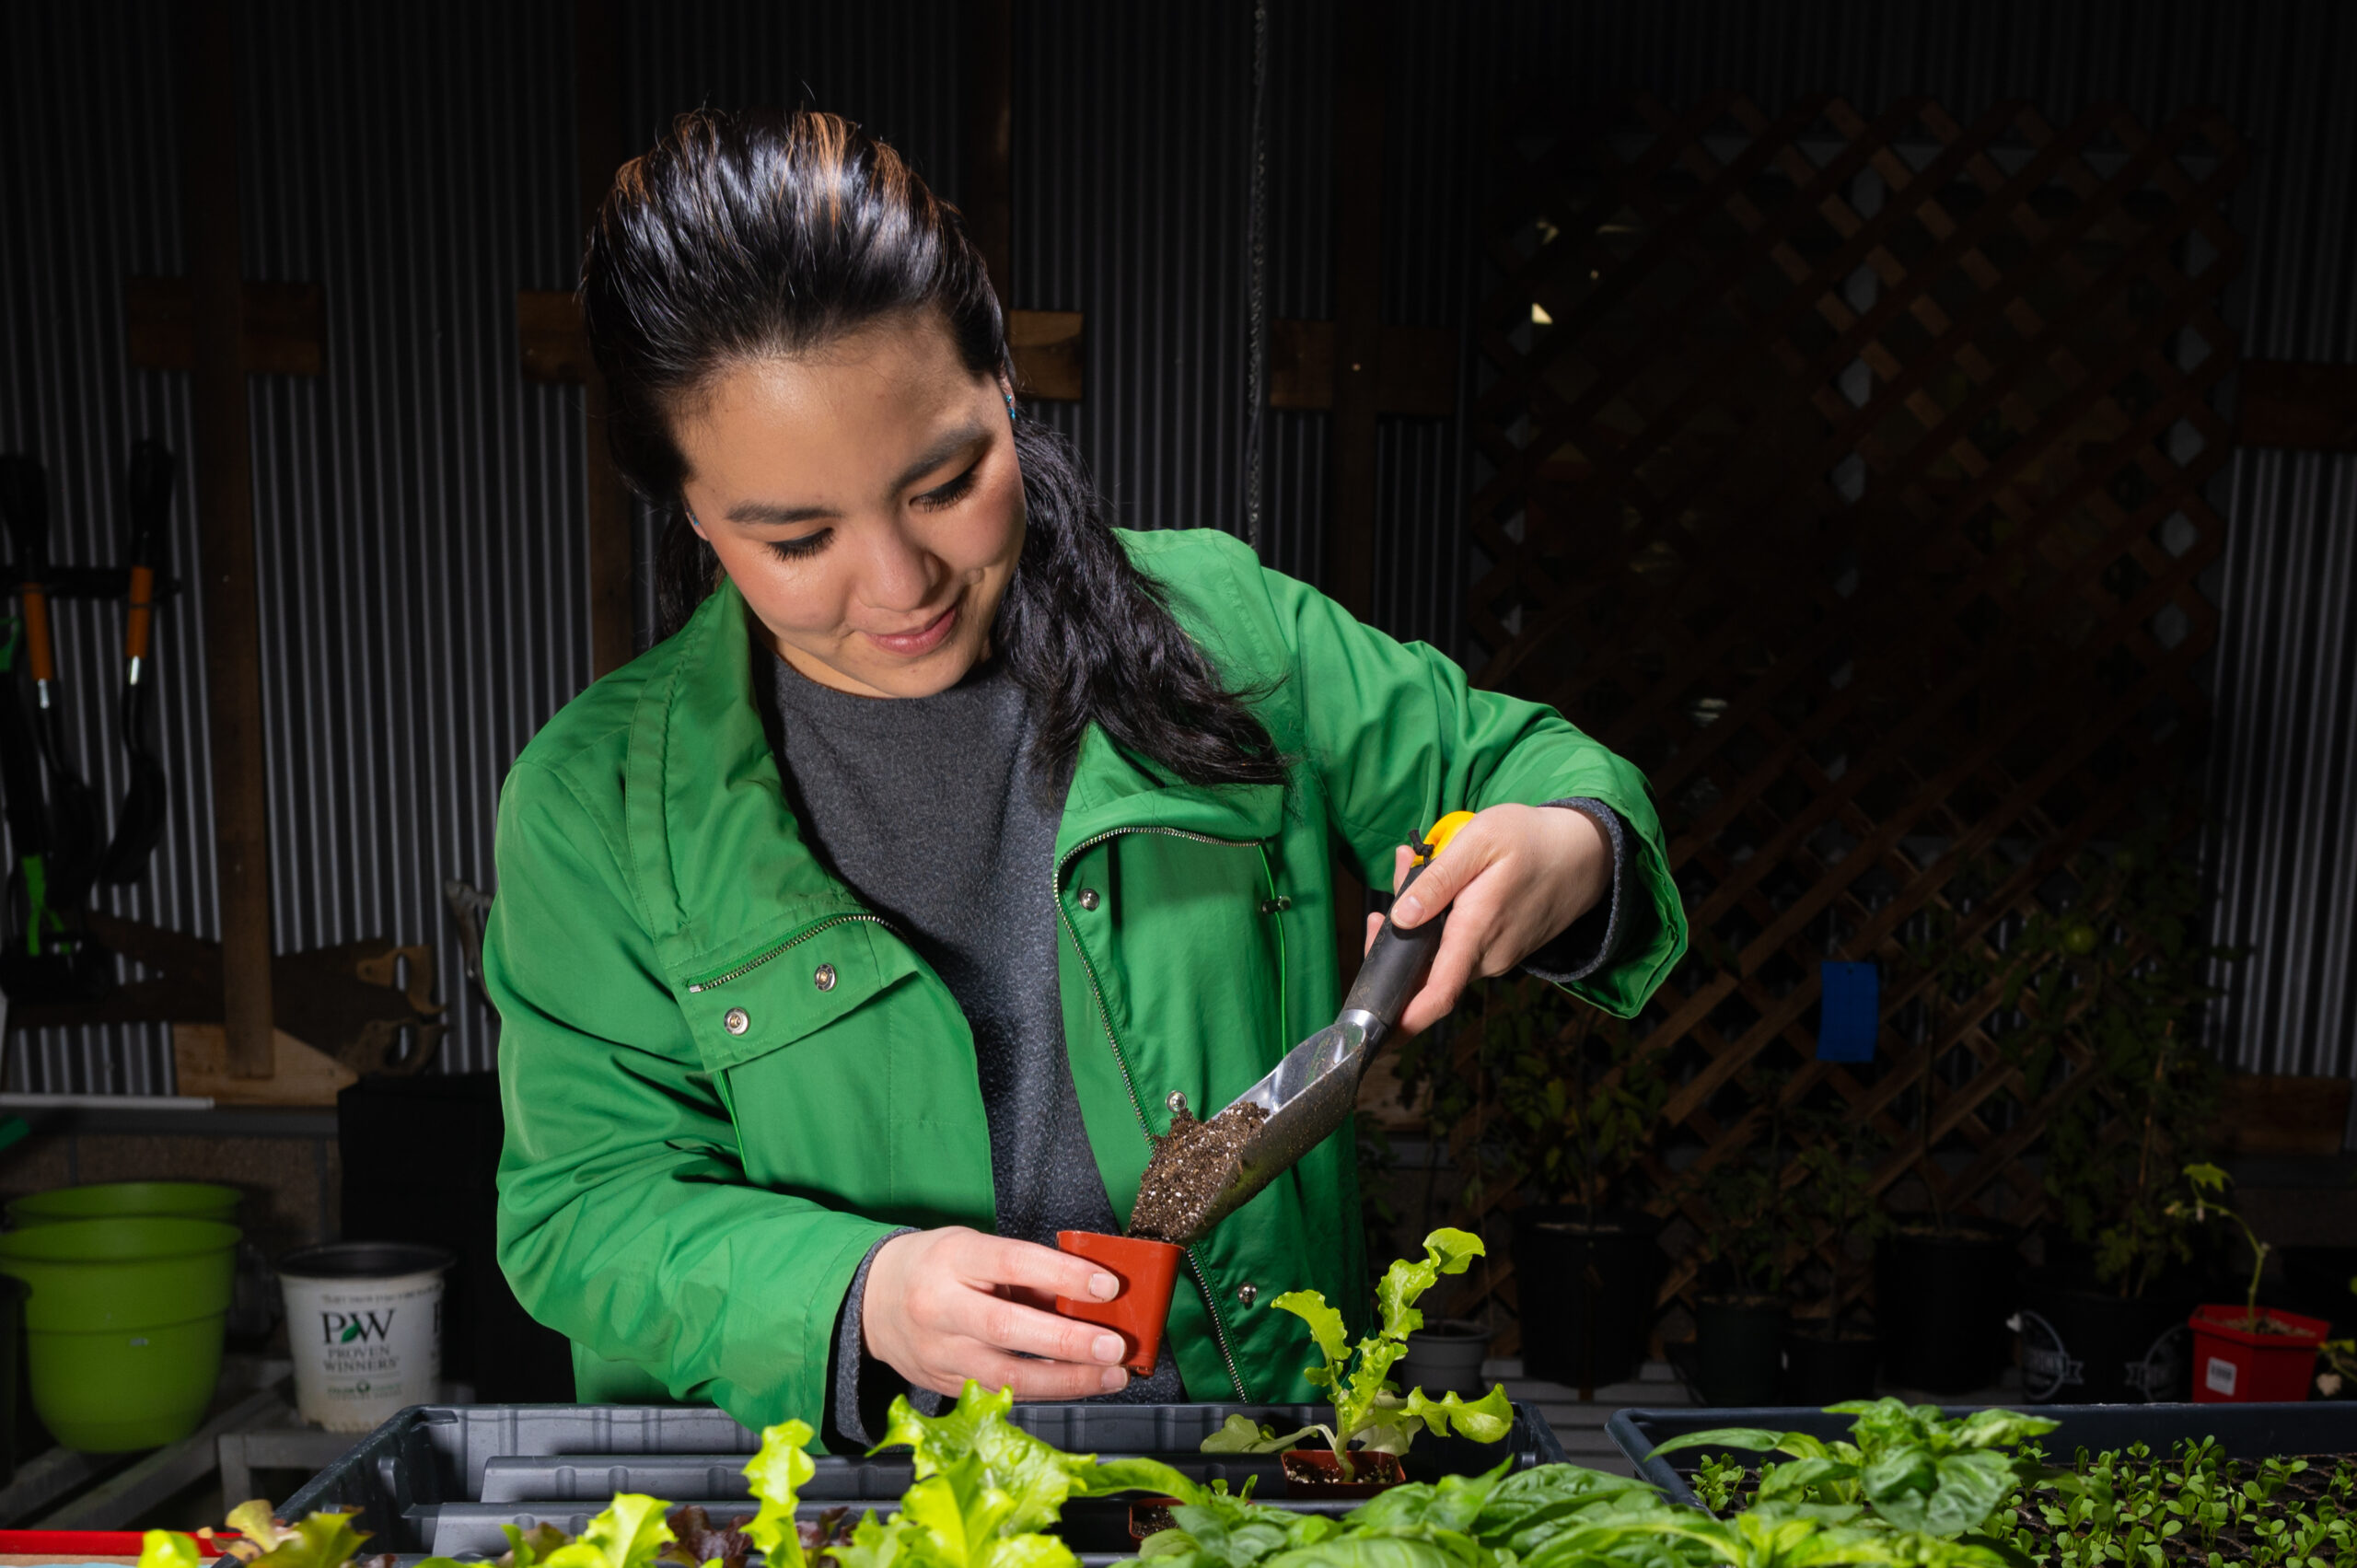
pixel 1943 1298
pixel 2091 1347
pixel 1554 1247
pixel 1820 1371
pixel 1740 1349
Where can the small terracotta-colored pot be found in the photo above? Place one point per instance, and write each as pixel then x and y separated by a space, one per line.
pixel 1146 1270
pixel 1312 1473
pixel 1151 1515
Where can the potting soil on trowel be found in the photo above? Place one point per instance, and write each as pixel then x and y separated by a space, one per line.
pixel 1192 1164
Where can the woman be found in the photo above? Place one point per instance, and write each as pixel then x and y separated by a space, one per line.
pixel 856 938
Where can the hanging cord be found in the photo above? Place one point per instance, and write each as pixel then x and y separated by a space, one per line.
pixel 1256 351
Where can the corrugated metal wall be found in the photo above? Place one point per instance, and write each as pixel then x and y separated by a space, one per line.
pixel 417 507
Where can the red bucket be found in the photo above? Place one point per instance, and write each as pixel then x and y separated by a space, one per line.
pixel 2234 1366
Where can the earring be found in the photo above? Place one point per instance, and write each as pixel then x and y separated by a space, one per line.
pixel 1010 406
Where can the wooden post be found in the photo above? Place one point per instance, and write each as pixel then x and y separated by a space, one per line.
pixel 226 528
pixel 598 151
pixel 987 199
pixel 1358 307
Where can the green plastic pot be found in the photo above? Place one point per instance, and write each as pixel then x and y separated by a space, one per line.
pixel 123 1325
pixel 121 1200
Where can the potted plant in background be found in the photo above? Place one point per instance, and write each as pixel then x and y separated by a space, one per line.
pixel 1830 1355
pixel 1741 1315
pixel 1547 1097
pixel 2116 984
pixel 2244 1354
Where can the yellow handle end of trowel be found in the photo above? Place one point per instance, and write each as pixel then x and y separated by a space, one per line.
pixel 1441 831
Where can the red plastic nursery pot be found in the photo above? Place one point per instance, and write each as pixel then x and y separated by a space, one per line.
pixel 1146 1270
pixel 2234 1366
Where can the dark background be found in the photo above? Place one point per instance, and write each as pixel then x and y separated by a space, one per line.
pixel 419 508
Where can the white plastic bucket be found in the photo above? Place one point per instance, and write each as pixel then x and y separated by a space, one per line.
pixel 364 1321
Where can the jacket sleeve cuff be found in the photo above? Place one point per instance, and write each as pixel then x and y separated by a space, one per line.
pixel 861 1392
pixel 1588 944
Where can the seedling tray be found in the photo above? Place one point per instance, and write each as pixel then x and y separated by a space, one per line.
pixel 2247 1432
pixel 442 1479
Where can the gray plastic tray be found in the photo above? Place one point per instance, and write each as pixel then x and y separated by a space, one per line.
pixel 443 1478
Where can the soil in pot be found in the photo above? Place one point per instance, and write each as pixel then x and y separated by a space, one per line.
pixel 1943 1296
pixel 1446 1357
pixel 1823 1369
pixel 1587 1289
pixel 1312 1474
pixel 1739 1348
pixel 2092 1346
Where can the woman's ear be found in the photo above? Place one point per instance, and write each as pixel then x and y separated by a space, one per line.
pixel 689 513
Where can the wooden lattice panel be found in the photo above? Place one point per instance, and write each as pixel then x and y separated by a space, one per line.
pixel 1850 476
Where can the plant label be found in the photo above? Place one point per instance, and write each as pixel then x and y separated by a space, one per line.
pixel 1848 1010
pixel 2219 1375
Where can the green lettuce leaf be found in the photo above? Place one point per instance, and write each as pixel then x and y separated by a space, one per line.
pixel 258 1523
pixel 986 1491
pixel 1485 1420
pixel 630 1534
pixel 778 1473
pixel 167 1549
pixel 1326 1328
pixel 1242 1435
pixel 1446 1251
pixel 322 1540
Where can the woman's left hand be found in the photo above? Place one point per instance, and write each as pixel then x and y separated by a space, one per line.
pixel 1511 880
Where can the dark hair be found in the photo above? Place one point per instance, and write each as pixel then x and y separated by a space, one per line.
pixel 744 236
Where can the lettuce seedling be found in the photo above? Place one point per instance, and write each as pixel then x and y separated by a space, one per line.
pixel 323 1541
pixel 1367 1406
pixel 630 1533
pixel 986 1491
pixel 778 1474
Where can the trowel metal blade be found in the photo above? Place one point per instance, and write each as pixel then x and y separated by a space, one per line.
pixel 1306 1096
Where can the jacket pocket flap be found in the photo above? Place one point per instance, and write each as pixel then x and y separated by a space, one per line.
pixel 781 991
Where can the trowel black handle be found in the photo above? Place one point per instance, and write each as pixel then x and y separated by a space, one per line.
pixel 1397 964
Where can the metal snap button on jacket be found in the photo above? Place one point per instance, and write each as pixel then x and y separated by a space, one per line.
pixel 1088 898
pixel 1175 1099
pixel 735 1021
pixel 824 979
pixel 1248 1293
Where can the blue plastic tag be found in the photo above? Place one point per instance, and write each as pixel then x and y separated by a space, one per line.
pixel 1849 1012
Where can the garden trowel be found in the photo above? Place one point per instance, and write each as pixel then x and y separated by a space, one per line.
pixel 1309 1093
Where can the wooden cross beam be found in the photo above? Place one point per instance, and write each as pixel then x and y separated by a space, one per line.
pixel 551 348
pixel 2309 407
pixel 283 331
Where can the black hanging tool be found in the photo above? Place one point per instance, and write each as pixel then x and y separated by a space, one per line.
pixel 140 824
pixel 56 868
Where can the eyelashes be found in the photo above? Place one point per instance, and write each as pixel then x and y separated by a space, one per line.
pixel 949 494
pixel 939 498
pixel 809 544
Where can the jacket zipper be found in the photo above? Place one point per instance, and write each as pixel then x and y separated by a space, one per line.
pixel 808 932
pixel 1105 1018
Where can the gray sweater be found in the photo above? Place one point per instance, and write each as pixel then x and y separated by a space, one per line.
pixel 935 811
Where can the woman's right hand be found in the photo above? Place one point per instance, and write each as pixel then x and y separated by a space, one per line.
pixel 944 1305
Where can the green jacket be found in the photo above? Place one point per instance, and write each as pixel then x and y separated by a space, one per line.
pixel 724 1079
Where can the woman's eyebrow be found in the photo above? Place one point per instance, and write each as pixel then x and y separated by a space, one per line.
pixel 931 458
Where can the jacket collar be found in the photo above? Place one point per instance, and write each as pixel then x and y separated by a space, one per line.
pixel 719 854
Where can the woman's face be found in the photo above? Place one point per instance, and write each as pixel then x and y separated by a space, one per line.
pixel 866 501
